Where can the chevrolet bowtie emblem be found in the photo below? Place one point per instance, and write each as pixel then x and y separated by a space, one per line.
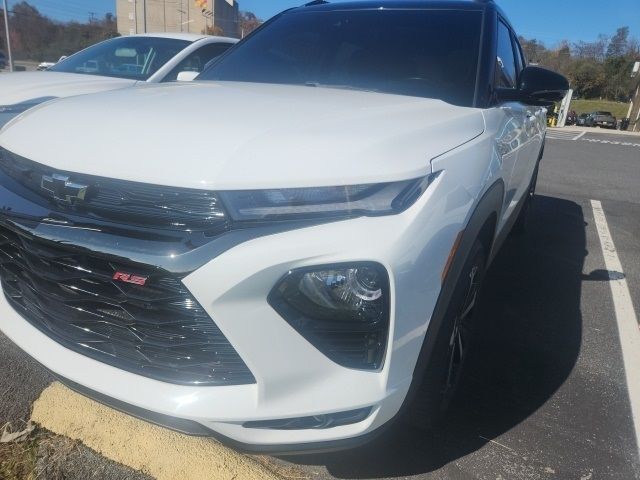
pixel 62 189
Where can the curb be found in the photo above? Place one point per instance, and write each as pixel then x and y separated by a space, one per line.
pixel 156 451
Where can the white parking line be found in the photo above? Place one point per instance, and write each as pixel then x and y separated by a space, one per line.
pixel 628 329
pixel 560 135
pixel 579 136
pixel 611 142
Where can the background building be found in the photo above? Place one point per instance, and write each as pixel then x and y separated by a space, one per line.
pixel 221 17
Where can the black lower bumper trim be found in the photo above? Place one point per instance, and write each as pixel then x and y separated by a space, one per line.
pixel 190 427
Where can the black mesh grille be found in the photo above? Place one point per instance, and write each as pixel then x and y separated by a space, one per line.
pixel 157 330
pixel 121 201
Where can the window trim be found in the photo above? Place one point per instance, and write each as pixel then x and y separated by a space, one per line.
pixel 519 55
pixel 501 20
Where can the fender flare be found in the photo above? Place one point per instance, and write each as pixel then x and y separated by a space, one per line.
pixel 481 225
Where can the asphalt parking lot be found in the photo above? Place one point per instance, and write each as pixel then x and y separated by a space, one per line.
pixel 546 395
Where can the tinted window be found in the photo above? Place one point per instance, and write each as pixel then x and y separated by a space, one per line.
pixel 196 60
pixel 520 64
pixel 136 58
pixel 505 61
pixel 426 53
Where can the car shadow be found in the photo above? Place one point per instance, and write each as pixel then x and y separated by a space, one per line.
pixel 526 348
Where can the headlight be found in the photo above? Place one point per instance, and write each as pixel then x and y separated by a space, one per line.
pixel 343 310
pixel 350 200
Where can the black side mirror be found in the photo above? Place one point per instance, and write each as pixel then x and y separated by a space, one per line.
pixel 539 86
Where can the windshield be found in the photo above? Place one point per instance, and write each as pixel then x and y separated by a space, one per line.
pixel 136 58
pixel 425 53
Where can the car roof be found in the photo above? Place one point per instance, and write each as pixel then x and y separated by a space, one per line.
pixel 401 4
pixel 486 6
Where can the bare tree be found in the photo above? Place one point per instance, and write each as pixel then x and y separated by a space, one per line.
pixel 248 23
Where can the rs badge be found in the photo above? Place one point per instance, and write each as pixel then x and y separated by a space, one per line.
pixel 129 278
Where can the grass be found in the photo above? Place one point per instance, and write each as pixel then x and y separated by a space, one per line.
pixel 18 460
pixel 618 109
pixel 39 456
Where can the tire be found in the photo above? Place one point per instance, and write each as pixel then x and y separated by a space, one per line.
pixel 451 349
pixel 520 226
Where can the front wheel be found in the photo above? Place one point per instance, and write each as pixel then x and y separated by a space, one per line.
pixel 451 349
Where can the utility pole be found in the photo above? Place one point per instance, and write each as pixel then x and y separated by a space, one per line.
pixel 144 12
pixel 6 29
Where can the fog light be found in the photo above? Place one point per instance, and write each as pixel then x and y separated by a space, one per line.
pixel 343 310
pixel 316 422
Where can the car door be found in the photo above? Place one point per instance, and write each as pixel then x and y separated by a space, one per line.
pixel 513 135
pixel 535 126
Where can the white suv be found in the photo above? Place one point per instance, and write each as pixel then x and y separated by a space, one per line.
pixel 285 253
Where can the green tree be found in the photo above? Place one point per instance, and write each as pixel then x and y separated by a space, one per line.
pixel 617 78
pixel 587 78
pixel 619 43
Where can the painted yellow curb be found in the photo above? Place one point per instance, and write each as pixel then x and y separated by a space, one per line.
pixel 156 451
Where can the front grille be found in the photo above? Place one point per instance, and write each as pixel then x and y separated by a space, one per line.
pixel 157 330
pixel 120 201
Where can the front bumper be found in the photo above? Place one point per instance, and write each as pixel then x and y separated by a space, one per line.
pixel 293 379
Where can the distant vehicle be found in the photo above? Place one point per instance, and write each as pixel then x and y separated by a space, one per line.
pixel 113 64
pixel 582 119
pixel 601 119
pixel 3 61
pixel 572 118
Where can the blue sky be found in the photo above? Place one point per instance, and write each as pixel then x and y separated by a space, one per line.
pixel 546 20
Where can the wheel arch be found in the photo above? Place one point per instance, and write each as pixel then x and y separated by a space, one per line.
pixel 482 225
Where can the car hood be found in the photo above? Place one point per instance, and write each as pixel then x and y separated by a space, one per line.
pixel 22 87
pixel 242 136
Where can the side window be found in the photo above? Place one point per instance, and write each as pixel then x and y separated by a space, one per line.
pixel 505 76
pixel 196 60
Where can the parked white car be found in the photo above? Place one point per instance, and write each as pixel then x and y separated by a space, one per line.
pixel 286 253
pixel 113 64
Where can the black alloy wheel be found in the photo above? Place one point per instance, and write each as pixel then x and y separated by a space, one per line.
pixel 452 347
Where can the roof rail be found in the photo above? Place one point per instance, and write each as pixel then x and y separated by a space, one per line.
pixel 315 2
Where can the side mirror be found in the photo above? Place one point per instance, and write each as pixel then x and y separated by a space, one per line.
pixel 538 86
pixel 187 76
pixel 541 86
